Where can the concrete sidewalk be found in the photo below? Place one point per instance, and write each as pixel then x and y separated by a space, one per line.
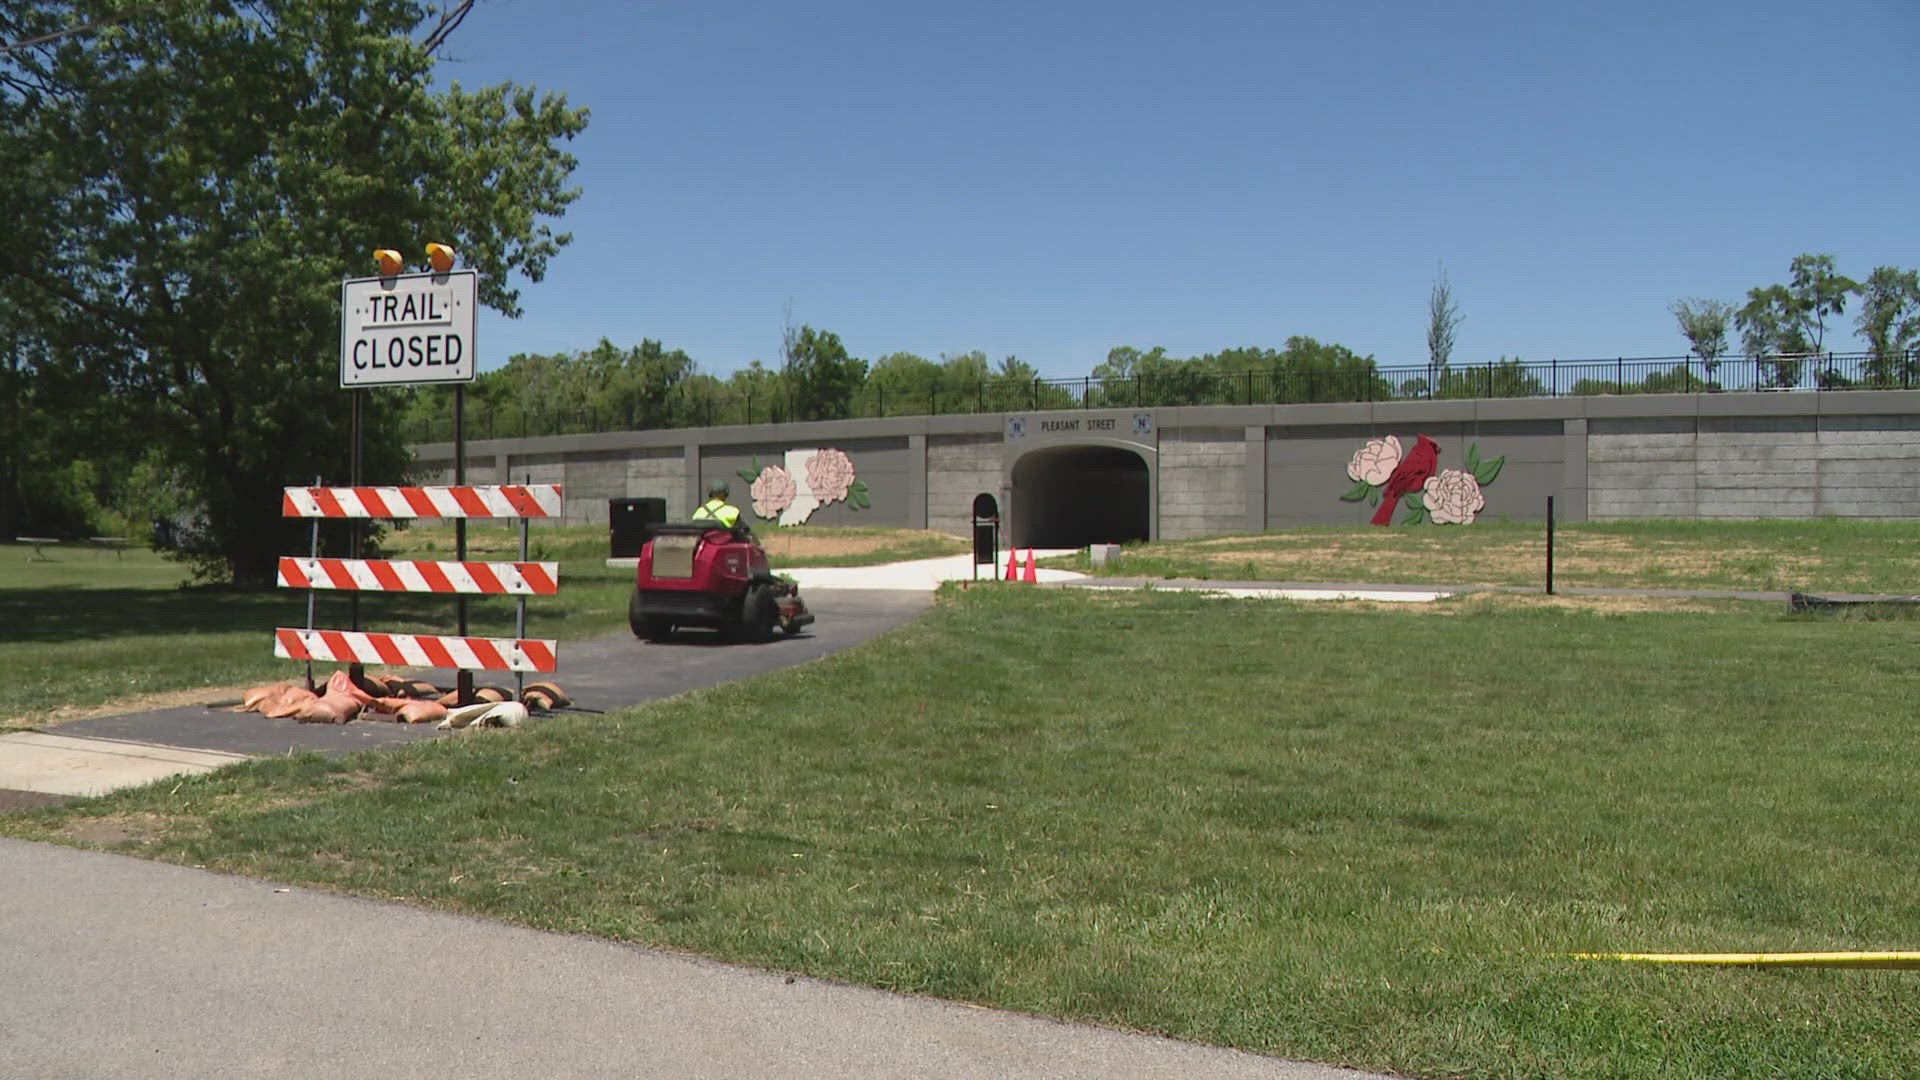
pixel 122 967
pixel 49 764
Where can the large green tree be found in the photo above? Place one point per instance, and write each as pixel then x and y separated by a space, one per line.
pixel 1703 322
pixel 820 375
pixel 1781 324
pixel 189 182
pixel 1890 321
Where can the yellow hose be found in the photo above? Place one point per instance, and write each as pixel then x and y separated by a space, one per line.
pixel 1884 960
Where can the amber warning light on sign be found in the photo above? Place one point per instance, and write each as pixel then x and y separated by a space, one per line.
pixel 409 328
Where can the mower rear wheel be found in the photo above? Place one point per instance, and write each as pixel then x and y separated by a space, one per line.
pixel 649 627
pixel 759 614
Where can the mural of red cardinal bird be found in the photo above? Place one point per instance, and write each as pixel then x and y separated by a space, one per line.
pixel 1410 475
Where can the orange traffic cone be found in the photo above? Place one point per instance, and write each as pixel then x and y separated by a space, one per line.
pixel 1031 578
pixel 1013 566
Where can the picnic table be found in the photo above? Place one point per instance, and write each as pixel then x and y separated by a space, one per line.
pixel 116 544
pixel 38 542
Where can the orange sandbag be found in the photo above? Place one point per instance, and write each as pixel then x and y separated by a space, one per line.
pixel 287 702
pixel 551 691
pixel 387 708
pixel 251 700
pixel 423 712
pixel 344 686
pixel 330 708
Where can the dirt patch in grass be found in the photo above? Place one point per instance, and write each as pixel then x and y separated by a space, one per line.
pixel 1579 557
pixel 109 831
pixel 211 696
pixel 1605 605
pixel 787 545
pixel 11 800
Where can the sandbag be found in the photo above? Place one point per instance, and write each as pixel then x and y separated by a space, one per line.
pixel 555 696
pixel 422 712
pixel 342 684
pixel 329 708
pixel 487 714
pixel 287 702
pixel 252 700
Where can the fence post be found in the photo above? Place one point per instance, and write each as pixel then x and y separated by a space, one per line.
pixel 1619 375
pixel 1549 545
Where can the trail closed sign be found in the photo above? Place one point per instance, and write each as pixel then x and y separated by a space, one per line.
pixel 409 328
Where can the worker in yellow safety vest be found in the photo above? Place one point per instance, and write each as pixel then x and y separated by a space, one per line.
pixel 717 508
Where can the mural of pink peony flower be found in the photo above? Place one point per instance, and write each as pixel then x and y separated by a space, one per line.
pixel 773 491
pixel 1374 462
pixel 1453 497
pixel 830 475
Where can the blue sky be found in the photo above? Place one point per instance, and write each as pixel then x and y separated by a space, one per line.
pixel 1053 179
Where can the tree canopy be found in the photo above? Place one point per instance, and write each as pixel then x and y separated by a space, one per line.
pixel 188 186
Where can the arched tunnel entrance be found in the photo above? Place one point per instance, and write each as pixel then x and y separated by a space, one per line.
pixel 1072 496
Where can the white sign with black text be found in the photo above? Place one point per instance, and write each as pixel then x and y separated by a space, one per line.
pixel 410 328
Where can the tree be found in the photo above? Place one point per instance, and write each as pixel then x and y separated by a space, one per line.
pixel 1890 321
pixel 820 375
pixel 1781 324
pixel 904 384
pixel 194 180
pixel 1505 378
pixel 761 391
pixel 1443 323
pixel 1704 324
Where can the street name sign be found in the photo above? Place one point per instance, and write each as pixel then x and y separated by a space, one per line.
pixel 409 328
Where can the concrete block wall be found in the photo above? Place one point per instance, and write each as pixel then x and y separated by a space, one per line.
pixel 1754 466
pixel 658 472
pixel 1203 481
pixel 1868 466
pixel 1642 467
pixel 959 467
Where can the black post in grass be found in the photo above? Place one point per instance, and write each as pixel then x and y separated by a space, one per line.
pixel 1549 545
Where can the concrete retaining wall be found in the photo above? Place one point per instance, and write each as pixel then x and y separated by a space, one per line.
pixel 1203 481
pixel 1754 467
pixel 1244 468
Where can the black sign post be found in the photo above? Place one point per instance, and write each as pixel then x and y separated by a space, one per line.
pixel 986 533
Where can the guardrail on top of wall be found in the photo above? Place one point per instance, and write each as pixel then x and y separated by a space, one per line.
pixel 1828 371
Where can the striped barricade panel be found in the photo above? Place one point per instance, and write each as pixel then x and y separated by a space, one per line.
pixel 394 575
pixel 483 501
pixel 417 650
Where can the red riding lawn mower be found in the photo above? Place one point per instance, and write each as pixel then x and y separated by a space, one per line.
pixel 705 574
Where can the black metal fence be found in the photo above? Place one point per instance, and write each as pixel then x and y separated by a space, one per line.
pixel 1505 379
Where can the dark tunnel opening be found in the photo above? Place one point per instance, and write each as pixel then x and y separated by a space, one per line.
pixel 1072 496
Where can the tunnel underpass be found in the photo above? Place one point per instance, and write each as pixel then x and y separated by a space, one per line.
pixel 1072 496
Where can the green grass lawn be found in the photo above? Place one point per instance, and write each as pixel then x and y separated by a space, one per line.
pixel 1352 834
pixel 1780 555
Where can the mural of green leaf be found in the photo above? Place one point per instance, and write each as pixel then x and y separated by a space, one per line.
pixel 1488 471
pixel 1358 491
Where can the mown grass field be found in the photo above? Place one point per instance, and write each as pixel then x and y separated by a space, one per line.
pixel 1353 835
pixel 1348 833
pixel 1772 556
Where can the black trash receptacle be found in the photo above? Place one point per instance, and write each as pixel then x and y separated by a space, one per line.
pixel 630 522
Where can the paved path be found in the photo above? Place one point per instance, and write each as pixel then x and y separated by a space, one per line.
pixel 122 967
